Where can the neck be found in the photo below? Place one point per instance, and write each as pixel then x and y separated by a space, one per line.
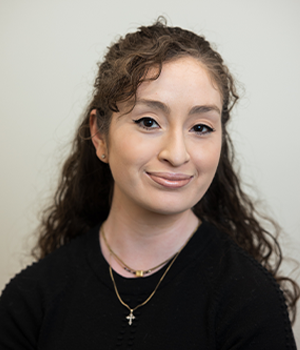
pixel 143 239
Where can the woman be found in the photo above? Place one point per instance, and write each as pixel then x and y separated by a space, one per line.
pixel 150 242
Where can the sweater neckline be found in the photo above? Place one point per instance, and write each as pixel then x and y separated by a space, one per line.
pixel 144 286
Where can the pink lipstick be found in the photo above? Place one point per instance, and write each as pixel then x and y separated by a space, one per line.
pixel 170 180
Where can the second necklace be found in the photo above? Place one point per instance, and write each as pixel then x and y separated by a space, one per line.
pixel 131 316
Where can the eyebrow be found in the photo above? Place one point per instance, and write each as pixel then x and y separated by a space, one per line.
pixel 154 104
pixel 204 109
pixel 164 108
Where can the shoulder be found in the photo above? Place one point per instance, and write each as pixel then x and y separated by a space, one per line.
pixel 234 269
pixel 29 296
pixel 247 301
pixel 49 276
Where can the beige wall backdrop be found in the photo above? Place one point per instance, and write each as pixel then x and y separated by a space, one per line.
pixel 49 51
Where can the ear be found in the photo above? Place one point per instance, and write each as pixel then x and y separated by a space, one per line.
pixel 98 139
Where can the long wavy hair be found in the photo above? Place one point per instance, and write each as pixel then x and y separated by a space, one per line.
pixel 84 192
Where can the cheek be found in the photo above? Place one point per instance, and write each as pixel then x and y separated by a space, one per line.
pixel 130 152
pixel 207 159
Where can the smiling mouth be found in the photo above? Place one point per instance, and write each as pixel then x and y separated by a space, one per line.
pixel 170 180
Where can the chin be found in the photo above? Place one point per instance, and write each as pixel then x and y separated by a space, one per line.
pixel 169 211
pixel 167 208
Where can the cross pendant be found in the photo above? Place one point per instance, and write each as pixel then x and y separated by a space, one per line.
pixel 130 317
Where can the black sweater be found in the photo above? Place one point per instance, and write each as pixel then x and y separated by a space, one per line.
pixel 214 297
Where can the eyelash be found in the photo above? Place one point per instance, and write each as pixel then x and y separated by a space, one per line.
pixel 141 121
pixel 209 129
pixel 141 124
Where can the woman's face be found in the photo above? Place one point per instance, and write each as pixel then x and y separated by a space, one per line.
pixel 163 154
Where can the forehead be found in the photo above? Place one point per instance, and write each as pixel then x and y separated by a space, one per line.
pixel 184 76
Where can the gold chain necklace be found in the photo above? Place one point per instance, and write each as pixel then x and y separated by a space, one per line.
pixel 131 316
pixel 137 273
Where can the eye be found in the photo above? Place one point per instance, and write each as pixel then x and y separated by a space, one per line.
pixel 202 129
pixel 147 123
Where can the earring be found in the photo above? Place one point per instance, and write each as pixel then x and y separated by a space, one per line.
pixel 103 156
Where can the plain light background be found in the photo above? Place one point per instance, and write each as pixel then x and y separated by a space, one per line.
pixel 49 51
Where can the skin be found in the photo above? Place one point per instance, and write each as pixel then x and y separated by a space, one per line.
pixel 163 156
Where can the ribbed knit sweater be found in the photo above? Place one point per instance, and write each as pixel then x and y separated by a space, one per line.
pixel 215 296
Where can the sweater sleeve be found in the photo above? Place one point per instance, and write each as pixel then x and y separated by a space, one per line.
pixel 20 313
pixel 252 313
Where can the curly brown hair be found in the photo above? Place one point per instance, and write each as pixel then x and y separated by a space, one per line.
pixel 85 188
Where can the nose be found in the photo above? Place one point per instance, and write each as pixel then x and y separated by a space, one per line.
pixel 174 149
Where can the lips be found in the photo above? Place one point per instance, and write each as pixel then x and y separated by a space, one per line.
pixel 170 180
